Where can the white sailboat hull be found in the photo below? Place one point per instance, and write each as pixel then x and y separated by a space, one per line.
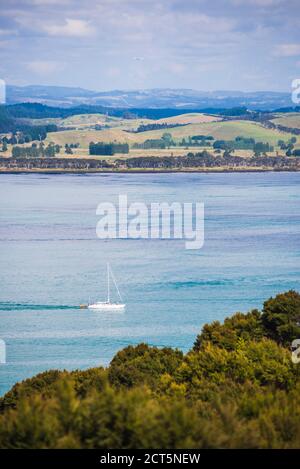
pixel 104 306
pixel 108 305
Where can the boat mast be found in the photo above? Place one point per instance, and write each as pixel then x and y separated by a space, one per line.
pixel 108 299
pixel 114 280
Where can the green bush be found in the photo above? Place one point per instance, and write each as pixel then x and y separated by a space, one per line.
pixel 239 326
pixel 281 317
pixel 143 364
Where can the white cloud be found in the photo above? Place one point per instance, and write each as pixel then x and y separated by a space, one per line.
pixel 72 27
pixel 287 50
pixel 44 67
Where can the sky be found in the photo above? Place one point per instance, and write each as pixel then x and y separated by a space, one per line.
pixel 245 45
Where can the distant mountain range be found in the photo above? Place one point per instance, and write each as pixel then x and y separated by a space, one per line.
pixel 149 98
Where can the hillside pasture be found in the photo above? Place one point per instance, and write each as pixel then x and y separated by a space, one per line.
pixel 226 130
pixel 191 118
pixel 89 120
pixel 82 121
pixel 84 137
pixel 288 120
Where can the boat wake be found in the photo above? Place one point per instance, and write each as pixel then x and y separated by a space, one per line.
pixel 32 307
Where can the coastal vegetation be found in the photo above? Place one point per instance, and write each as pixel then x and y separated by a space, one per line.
pixel 236 388
pixel 200 161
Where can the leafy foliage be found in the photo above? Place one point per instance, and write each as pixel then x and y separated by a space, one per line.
pixel 102 148
pixel 143 364
pixel 239 326
pixel 281 317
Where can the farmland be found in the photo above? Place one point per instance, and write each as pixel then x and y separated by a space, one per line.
pixel 224 130
pixel 288 120
pixel 174 136
pixel 120 130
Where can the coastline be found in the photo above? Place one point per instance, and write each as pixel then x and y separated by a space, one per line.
pixel 199 163
pixel 148 171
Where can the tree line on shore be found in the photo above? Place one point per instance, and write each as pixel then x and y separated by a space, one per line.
pixel 205 159
pixel 192 161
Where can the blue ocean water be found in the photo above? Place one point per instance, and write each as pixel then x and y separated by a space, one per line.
pixel 51 261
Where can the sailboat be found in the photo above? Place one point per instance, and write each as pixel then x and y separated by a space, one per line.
pixel 108 305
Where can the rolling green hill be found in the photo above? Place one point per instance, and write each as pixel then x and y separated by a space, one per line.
pixel 226 130
pixel 288 120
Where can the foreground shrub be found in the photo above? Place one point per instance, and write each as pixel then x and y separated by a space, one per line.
pixel 143 364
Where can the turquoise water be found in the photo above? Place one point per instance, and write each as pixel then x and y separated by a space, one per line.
pixel 51 261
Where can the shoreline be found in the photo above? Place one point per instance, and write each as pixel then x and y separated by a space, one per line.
pixel 147 171
pixel 199 163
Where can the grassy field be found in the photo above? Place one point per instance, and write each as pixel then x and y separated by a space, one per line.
pixel 226 130
pixel 288 120
pixel 191 118
pixel 84 120
pixel 88 121
pixel 84 137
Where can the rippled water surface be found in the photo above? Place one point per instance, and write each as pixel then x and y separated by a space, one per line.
pixel 51 261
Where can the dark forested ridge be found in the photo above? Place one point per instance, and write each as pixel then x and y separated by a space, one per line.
pixel 236 388
pixel 13 117
pixel 43 111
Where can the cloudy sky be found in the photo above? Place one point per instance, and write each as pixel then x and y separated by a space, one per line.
pixel 128 44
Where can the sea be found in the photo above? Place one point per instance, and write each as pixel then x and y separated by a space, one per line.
pixel 52 261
